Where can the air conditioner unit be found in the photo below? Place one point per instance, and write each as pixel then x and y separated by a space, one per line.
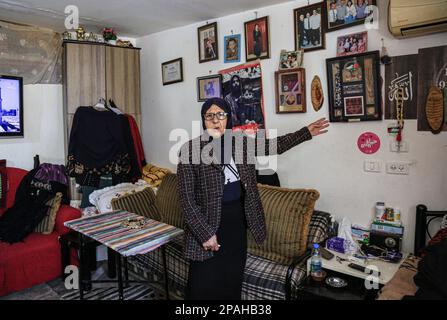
pixel 412 18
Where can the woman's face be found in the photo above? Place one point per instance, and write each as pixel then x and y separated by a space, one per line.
pixel 216 128
pixel 257 27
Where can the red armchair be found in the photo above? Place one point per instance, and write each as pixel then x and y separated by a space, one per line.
pixel 38 258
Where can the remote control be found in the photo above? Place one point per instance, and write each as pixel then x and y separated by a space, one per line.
pixel 356 267
pixel 360 268
pixel 326 254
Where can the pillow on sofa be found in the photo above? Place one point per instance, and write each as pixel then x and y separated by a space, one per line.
pixel 168 203
pixel 141 202
pixel 46 226
pixel 287 213
pixel 3 184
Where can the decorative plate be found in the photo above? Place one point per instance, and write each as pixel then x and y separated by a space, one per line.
pixel 434 109
pixel 317 93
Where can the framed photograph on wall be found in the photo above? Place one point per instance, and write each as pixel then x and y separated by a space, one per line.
pixel 257 39
pixel 352 44
pixel 310 21
pixel 342 14
pixel 172 71
pixel 232 51
pixel 11 107
pixel 209 87
pixel 354 87
pixel 290 88
pixel 291 59
pixel 208 43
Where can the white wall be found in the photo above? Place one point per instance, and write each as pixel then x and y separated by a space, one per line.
pixel 44 133
pixel 332 164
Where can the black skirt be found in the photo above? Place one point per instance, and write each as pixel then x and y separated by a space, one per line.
pixel 220 278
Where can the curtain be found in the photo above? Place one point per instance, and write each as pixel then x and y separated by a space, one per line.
pixel 30 52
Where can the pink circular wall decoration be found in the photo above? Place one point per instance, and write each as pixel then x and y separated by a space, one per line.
pixel 368 143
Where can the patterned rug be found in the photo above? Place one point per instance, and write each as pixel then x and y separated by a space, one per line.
pixel 137 292
pixel 55 290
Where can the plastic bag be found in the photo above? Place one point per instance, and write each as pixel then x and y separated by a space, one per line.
pixel 344 232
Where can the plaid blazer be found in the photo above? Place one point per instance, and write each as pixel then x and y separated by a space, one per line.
pixel 201 185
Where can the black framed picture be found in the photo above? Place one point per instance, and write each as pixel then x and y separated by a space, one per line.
pixel 342 14
pixel 310 33
pixel 354 87
pixel 11 106
pixel 257 39
pixel 172 71
pixel 208 42
pixel 209 87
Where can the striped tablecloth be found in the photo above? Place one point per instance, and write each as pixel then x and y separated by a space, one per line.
pixel 106 228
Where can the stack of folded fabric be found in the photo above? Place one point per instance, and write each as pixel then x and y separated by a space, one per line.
pixel 102 199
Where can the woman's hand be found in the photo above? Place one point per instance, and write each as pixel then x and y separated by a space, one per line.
pixel 211 244
pixel 318 127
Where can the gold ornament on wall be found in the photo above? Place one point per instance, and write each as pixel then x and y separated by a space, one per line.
pixel 317 93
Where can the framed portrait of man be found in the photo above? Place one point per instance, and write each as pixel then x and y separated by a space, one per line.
pixel 232 51
pixel 257 39
pixel 207 42
pixel 309 21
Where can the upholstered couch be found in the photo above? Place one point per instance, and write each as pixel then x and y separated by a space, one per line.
pixel 38 258
pixel 273 271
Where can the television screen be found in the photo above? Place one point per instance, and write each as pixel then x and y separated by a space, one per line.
pixel 11 106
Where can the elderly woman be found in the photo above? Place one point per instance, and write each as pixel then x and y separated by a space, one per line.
pixel 220 201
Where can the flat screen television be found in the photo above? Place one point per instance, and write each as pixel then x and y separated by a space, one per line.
pixel 11 106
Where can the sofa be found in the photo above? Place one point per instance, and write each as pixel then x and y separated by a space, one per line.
pixel 38 258
pixel 270 273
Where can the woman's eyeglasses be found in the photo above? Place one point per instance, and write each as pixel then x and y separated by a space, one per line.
pixel 219 115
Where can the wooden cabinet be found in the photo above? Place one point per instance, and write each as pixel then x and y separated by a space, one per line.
pixel 93 71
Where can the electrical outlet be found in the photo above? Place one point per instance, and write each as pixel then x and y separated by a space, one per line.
pixel 401 168
pixel 372 166
pixel 394 146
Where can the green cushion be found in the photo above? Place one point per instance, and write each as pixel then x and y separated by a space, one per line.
pixel 167 202
pixel 141 203
pixel 287 213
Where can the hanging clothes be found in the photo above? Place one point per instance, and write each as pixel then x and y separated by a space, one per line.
pixel 139 150
pixel 101 144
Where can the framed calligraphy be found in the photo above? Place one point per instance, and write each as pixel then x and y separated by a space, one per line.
pixel 354 87
pixel 402 72
pixel 432 71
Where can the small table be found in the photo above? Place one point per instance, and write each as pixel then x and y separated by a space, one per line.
pixel 107 229
pixel 356 290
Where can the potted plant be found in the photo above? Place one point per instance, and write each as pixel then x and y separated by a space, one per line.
pixel 109 35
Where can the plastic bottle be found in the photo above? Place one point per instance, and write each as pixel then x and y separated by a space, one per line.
pixel 315 261
pixel 397 215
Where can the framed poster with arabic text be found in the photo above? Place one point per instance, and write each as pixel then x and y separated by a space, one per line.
pixel 354 88
pixel 432 71
pixel 402 72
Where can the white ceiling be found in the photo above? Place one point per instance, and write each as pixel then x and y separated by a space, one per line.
pixel 131 18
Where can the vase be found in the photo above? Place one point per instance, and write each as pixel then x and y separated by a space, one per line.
pixel 112 42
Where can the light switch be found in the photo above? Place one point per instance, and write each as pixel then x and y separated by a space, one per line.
pixel 373 166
